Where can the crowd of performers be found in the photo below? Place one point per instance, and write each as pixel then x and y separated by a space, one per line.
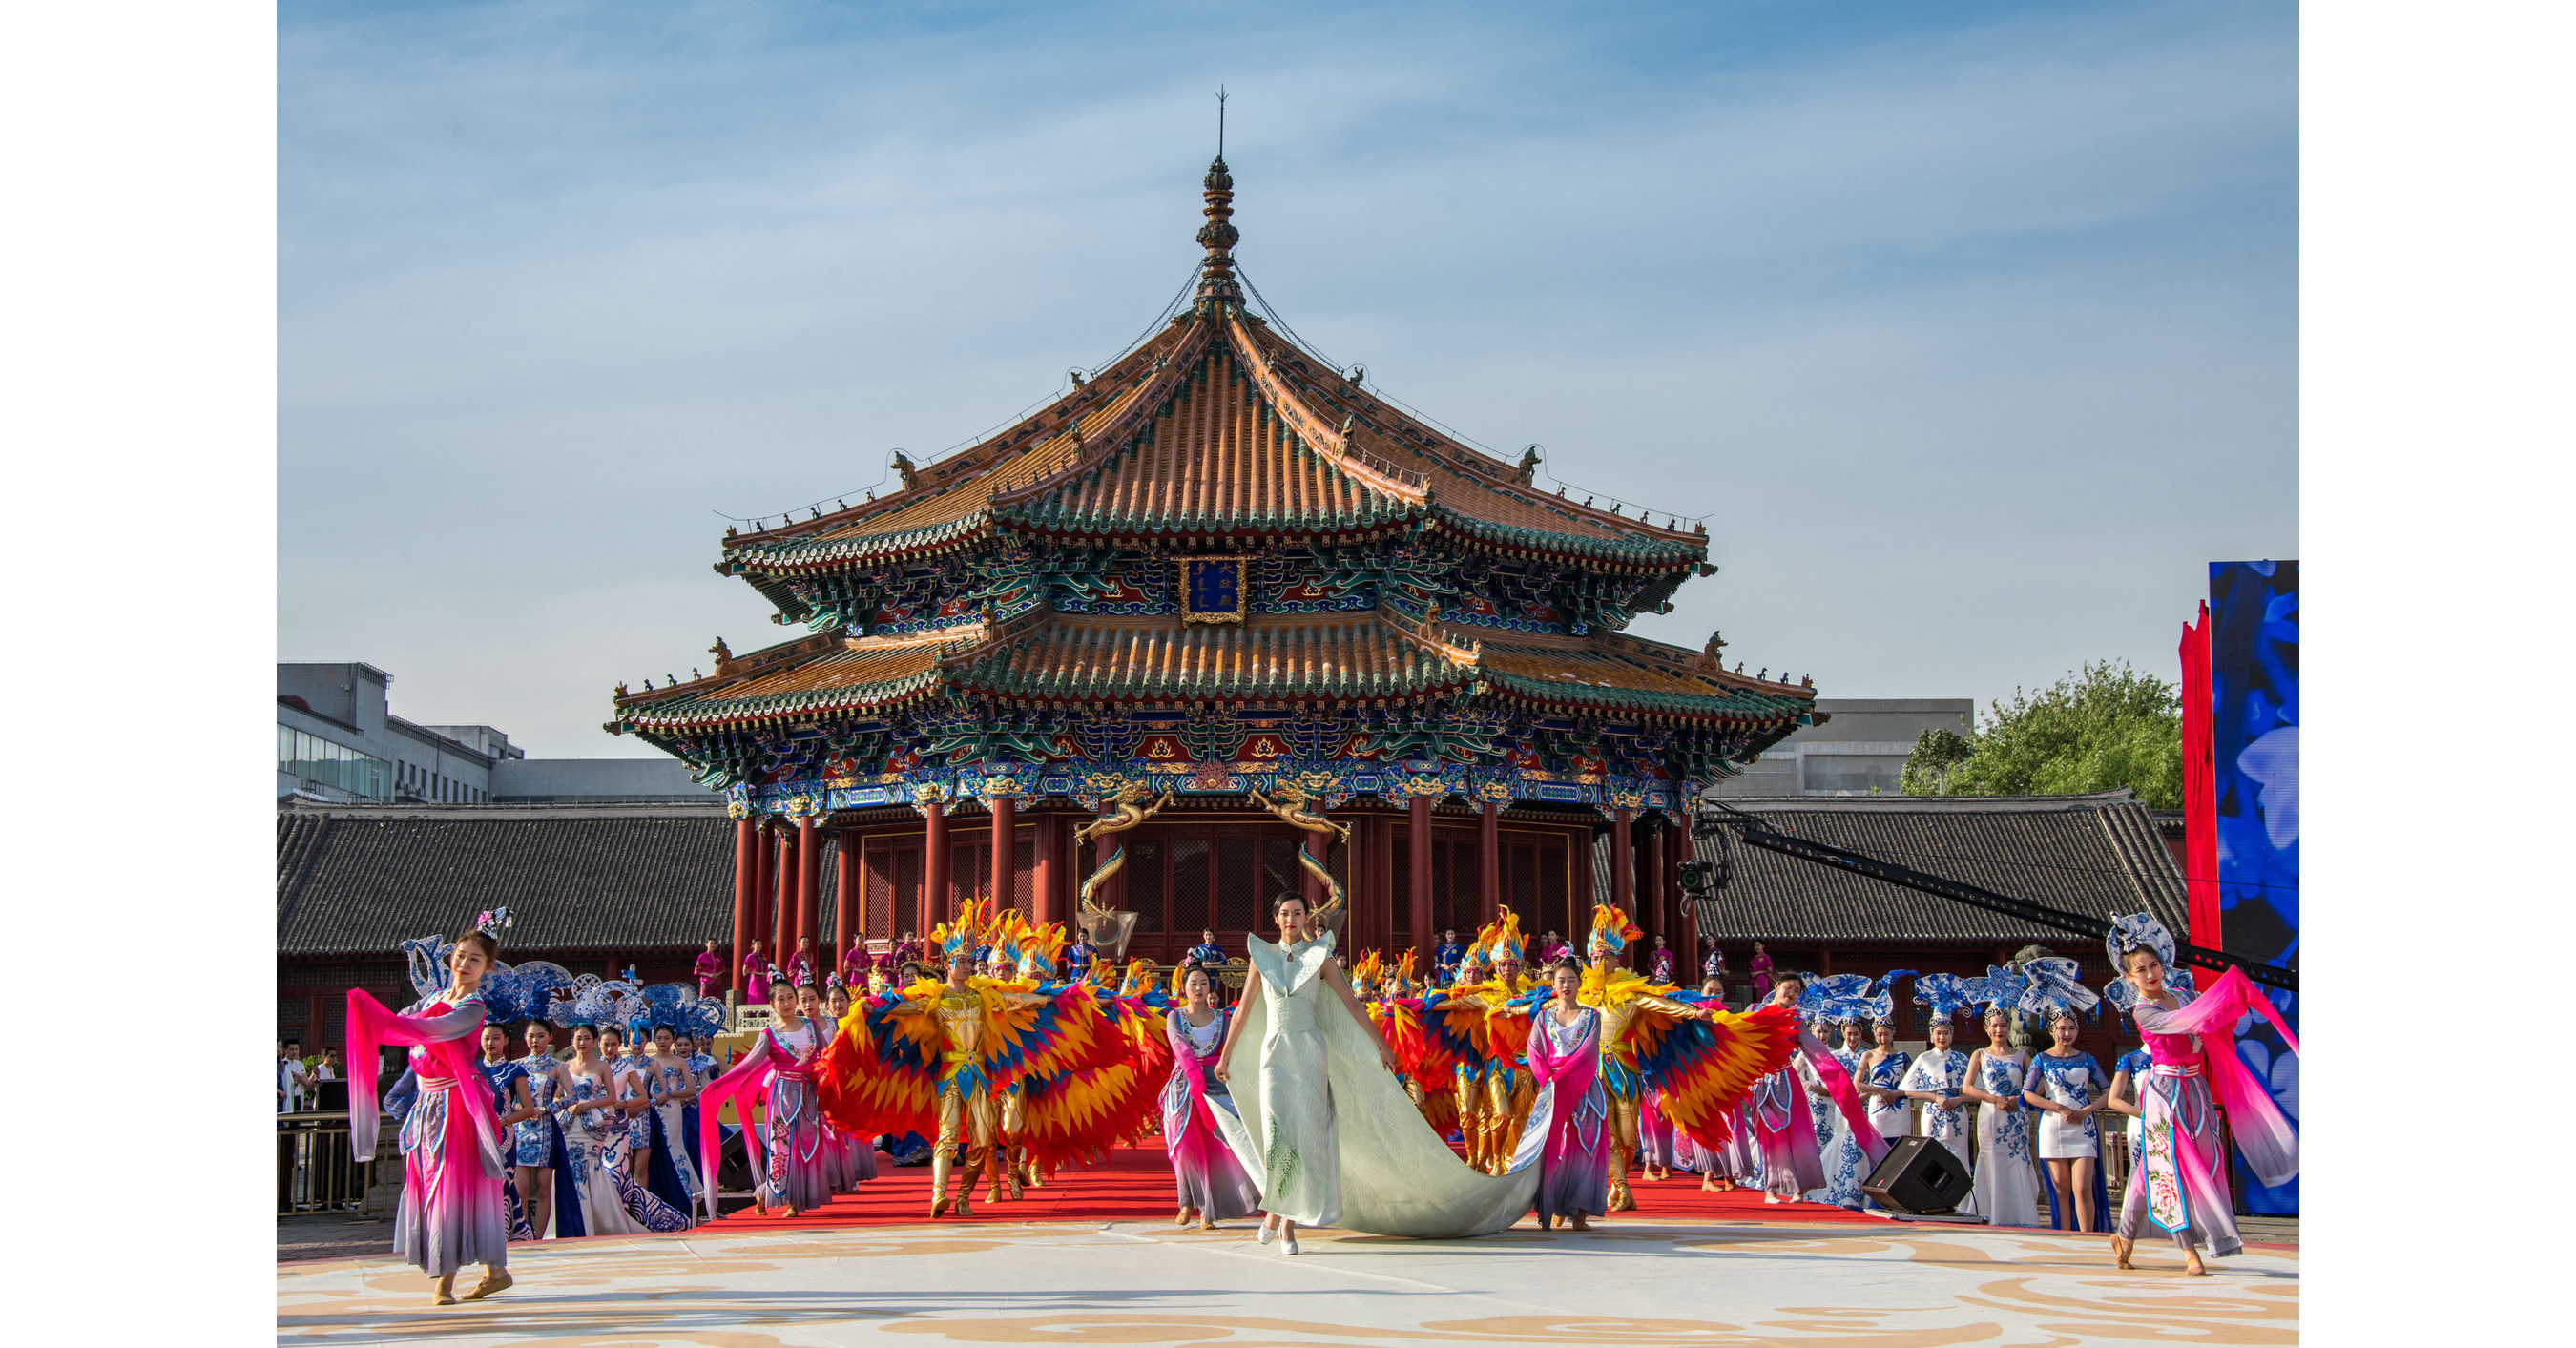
pixel 1359 1097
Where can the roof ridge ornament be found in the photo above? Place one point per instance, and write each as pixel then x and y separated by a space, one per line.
pixel 1218 289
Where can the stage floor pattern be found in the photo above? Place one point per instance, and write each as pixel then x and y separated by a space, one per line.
pixel 1789 1276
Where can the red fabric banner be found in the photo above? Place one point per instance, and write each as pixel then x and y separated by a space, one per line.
pixel 2199 787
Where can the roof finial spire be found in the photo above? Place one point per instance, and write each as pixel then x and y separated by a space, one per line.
pixel 1217 287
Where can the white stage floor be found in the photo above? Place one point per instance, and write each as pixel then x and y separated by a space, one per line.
pixel 1820 1284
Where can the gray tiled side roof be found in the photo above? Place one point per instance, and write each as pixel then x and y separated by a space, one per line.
pixel 2095 854
pixel 358 880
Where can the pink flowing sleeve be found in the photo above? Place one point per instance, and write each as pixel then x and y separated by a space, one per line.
pixel 373 1026
pixel 2270 1145
pixel 739 1086
pixel 1838 1085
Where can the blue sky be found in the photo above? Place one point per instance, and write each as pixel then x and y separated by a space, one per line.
pixel 1972 327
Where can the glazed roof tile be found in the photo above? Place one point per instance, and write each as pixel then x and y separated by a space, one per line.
pixel 360 880
pixel 1592 676
pixel 1216 424
pixel 1072 659
pixel 829 674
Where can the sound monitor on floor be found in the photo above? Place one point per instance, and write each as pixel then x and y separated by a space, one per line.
pixel 1919 1177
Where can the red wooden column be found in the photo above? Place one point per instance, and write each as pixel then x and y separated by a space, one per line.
pixel 809 886
pixel 1623 872
pixel 934 867
pixel 746 870
pixel 848 895
pixel 1489 864
pixel 782 898
pixel 1417 861
pixel 764 877
pixel 1043 907
pixel 1006 815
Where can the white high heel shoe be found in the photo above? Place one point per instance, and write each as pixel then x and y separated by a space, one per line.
pixel 1288 1245
pixel 1268 1234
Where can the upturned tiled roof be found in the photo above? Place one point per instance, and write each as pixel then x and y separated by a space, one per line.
pixel 2095 854
pixel 359 880
pixel 1057 657
pixel 1591 676
pixel 820 675
pixel 1353 657
pixel 1215 426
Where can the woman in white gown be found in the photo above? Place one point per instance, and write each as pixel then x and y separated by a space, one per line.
pixel 2007 1186
pixel 1328 1127
pixel 1934 1078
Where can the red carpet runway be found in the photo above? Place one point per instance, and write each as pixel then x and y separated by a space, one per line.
pixel 1136 1185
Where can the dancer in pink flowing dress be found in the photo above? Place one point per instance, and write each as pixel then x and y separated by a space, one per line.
pixel 453 1211
pixel 1198 1113
pixel 2180 1186
pixel 1565 1062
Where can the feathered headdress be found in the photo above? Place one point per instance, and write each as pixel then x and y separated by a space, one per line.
pixel 1611 931
pixel 1404 971
pixel 1507 942
pixel 1139 979
pixel 2139 931
pixel 1007 939
pixel 1366 970
pixel 1039 950
pixel 955 939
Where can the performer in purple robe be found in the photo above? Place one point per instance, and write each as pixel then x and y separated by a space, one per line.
pixel 709 968
pixel 757 974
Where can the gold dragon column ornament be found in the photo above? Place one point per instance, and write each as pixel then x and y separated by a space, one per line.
pixel 1291 807
pixel 1107 828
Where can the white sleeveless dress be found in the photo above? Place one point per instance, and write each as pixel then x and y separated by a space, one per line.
pixel 1332 1133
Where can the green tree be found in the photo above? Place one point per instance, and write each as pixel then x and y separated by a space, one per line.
pixel 2102 727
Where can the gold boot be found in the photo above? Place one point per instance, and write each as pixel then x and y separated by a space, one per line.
pixel 962 1195
pixel 939 1164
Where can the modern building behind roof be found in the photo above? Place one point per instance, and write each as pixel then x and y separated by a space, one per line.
pixel 1856 746
pixel 338 740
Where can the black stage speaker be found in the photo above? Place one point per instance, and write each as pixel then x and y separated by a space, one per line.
pixel 1919 1178
pixel 331 1097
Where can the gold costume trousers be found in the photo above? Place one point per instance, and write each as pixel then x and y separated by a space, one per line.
pixel 1471 1115
pixel 963 1118
pixel 1507 1111
pixel 1623 1145
pixel 1006 1160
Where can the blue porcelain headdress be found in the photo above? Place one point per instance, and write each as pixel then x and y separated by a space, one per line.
pixel 595 1002
pixel 1837 997
pixel 2000 986
pixel 1944 996
pixel 2054 983
pixel 2139 931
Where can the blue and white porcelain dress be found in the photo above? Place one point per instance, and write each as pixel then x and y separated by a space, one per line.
pixel 2007 1187
pixel 1942 1073
pixel 1894 1119
pixel 2074 1081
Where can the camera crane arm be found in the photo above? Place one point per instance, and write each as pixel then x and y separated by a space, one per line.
pixel 1713 815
